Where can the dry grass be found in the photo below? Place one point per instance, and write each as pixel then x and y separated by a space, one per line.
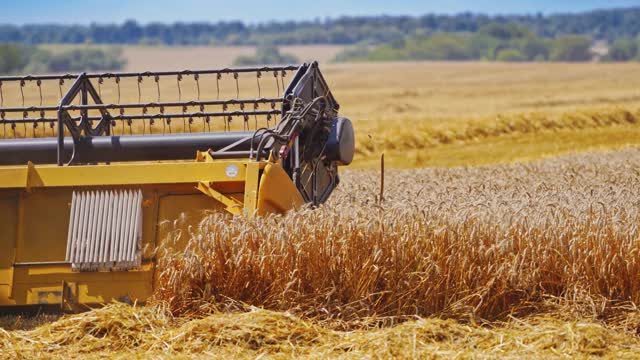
pixel 121 331
pixel 26 321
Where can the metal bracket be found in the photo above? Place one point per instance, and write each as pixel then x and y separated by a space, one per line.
pixel 32 179
pixel 69 302
pixel 83 87
pixel 232 205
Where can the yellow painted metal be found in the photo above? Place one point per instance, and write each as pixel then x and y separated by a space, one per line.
pixel 277 193
pixel 251 188
pixel 8 237
pixel 13 177
pixel 35 203
pixel 232 205
pixel 119 174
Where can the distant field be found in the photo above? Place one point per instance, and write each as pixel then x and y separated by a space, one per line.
pixel 142 58
pixel 470 113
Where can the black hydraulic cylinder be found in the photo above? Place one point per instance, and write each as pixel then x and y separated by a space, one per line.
pixel 102 149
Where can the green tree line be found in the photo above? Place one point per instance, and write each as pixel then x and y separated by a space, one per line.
pixel 492 42
pixel 601 24
pixel 17 59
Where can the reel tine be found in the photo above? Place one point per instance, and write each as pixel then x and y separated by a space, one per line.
pixel 227 121
pixel 282 75
pixel 203 117
pixel 117 80
pixel 39 84
pixel 255 116
pixel 43 124
pixel 22 83
pixel 139 91
pixel 122 113
pixel 144 111
pixel 179 78
pixel 258 76
pixel 196 77
pixel 218 77
pixel 25 115
pixel 235 76
pixel 184 118
pixel 100 81
pixel 157 80
pixel 164 120
pixel 275 76
pixel 245 118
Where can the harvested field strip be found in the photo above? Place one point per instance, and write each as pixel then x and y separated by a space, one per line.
pixel 120 331
pixel 399 135
pixel 508 148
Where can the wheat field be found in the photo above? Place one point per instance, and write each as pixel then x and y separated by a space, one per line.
pixel 507 228
pixel 537 259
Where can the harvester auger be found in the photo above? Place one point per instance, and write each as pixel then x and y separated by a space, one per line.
pixel 84 182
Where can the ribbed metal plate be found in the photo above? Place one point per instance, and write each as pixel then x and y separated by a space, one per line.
pixel 105 230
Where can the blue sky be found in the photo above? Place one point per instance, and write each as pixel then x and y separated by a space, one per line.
pixel 252 11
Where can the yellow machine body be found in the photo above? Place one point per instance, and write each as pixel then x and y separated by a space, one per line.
pixel 35 208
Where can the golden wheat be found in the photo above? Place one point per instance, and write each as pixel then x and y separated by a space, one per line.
pixel 474 241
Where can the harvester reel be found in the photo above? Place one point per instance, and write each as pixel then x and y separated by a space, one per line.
pixel 310 139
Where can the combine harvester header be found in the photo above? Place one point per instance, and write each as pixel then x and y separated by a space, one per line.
pixel 84 183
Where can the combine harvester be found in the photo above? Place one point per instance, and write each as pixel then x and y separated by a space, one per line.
pixel 85 183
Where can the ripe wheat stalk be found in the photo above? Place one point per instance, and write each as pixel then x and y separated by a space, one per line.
pixel 481 242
